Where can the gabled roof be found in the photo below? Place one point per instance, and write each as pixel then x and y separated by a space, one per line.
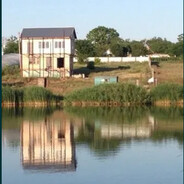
pixel 48 32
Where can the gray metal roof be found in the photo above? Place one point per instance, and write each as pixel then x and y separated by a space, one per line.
pixel 48 32
pixel 10 59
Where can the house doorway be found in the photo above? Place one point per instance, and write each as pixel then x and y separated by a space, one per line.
pixel 60 62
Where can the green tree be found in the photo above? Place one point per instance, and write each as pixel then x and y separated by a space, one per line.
pixel 159 45
pixel 119 50
pixel 177 48
pixel 11 45
pixel 84 49
pixel 119 47
pixel 138 48
pixel 102 37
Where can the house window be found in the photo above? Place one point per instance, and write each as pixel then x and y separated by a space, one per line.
pixel 59 44
pixel 56 44
pixel 30 48
pixel 60 62
pixel 47 45
pixel 43 45
pixel 40 45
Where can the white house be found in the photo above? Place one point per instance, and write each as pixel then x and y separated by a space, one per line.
pixel 47 52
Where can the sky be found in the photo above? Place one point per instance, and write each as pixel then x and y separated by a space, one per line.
pixel 132 19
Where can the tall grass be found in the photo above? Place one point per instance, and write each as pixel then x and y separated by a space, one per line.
pixel 12 95
pixel 37 94
pixel 28 94
pixel 167 91
pixel 120 93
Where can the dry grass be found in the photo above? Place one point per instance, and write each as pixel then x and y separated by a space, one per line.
pixel 169 72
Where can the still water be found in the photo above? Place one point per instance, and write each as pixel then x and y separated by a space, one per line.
pixel 92 145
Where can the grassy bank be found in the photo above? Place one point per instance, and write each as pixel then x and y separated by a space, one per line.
pixel 100 95
pixel 106 93
pixel 167 93
pixel 126 94
pixel 28 96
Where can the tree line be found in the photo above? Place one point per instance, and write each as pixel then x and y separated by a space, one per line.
pixel 103 41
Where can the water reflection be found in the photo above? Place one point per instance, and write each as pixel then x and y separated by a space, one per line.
pixel 48 137
pixel 48 144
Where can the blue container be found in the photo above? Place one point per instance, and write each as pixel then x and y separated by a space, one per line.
pixel 106 79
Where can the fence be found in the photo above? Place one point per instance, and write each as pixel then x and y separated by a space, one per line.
pixel 118 59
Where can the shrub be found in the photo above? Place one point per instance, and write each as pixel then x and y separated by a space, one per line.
pixel 97 61
pixel 167 91
pixel 121 93
pixel 91 65
pixel 11 70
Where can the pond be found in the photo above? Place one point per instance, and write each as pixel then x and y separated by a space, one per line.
pixel 111 145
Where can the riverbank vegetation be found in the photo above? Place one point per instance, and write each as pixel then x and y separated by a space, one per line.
pixel 125 94
pixel 116 94
pixel 109 93
pixel 29 95
pixel 167 93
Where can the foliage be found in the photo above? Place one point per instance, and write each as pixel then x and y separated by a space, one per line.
pixel 12 95
pixel 102 35
pixel 138 49
pixel 97 61
pixel 167 91
pixel 119 50
pixel 28 94
pixel 11 45
pixel 100 50
pixel 177 48
pixel 84 49
pixel 11 70
pixel 91 65
pixel 120 93
pixel 37 94
pixel 159 45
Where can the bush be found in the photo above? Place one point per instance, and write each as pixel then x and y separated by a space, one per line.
pixel 167 91
pixel 97 61
pixel 120 93
pixel 91 65
pixel 11 70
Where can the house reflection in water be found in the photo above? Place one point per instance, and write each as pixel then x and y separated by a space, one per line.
pixel 142 130
pixel 48 145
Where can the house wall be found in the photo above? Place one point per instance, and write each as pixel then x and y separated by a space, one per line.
pixel 69 44
pixel 40 55
pixel 40 70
